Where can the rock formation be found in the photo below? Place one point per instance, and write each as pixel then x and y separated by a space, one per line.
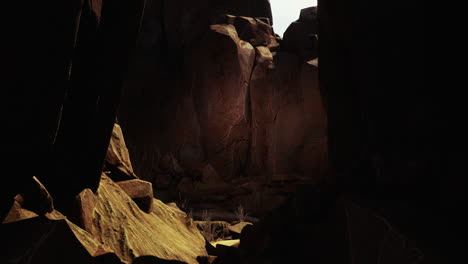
pixel 238 102
pixel 121 223
pixel 117 160
pixel 110 228
pixel 220 113
pixel 62 113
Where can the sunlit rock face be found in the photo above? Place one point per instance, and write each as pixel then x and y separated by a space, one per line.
pixel 106 227
pixel 121 222
pixel 226 95
pixel 130 232
pixel 117 160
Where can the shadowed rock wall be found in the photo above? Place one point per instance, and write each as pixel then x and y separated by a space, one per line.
pixel 229 96
pixel 66 62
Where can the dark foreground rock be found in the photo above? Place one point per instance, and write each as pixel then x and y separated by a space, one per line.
pixel 51 239
pixel 35 197
pixel 67 61
pixel 340 232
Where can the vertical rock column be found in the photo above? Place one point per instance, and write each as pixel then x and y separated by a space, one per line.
pixel 39 43
pixel 101 60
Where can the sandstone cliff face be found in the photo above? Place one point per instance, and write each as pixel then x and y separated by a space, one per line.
pixel 237 101
pixel 221 70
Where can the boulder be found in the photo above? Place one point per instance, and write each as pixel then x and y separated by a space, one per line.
pixel 83 214
pixel 117 157
pixel 140 191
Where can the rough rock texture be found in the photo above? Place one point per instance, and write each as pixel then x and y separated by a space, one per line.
pixel 160 81
pixel 141 193
pixel 221 76
pixel 204 122
pixel 17 213
pixel 288 117
pixel 84 209
pixel 110 229
pixel 117 157
pixel 238 103
pixel 176 209
pixel 119 224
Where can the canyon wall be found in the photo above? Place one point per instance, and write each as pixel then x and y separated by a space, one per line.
pixel 224 92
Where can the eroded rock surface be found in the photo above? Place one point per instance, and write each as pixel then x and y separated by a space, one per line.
pixel 117 157
pixel 141 193
pixel 120 224
pixel 110 228
pixel 247 107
